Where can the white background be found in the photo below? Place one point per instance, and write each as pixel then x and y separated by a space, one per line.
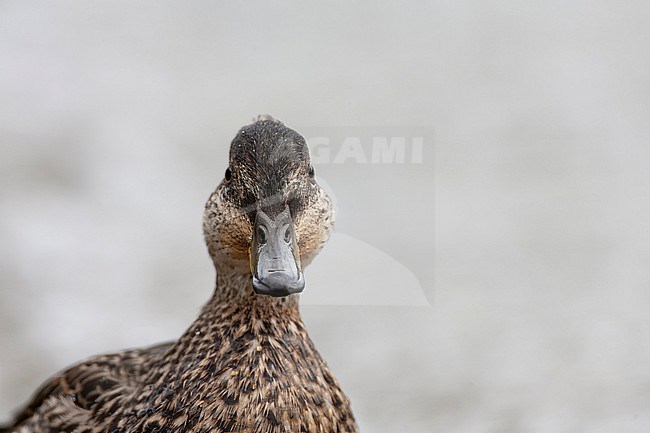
pixel 526 227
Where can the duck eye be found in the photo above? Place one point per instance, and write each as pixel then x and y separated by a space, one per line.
pixel 311 171
pixel 287 235
pixel 261 235
pixel 228 174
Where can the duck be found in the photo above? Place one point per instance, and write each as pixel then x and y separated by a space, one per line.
pixel 247 363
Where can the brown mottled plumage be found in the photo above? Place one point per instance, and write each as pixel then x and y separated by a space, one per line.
pixel 246 364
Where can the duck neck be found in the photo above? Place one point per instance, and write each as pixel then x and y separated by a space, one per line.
pixel 235 311
pixel 234 289
pixel 235 329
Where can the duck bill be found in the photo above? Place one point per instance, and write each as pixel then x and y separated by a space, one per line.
pixel 274 256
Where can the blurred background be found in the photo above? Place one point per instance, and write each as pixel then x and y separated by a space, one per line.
pixel 498 283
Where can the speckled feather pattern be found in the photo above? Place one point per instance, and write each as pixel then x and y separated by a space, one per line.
pixel 247 363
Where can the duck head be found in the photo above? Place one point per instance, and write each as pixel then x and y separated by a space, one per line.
pixel 268 218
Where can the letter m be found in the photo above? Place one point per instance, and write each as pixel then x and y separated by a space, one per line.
pixel 388 152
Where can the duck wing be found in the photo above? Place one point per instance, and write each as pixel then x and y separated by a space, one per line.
pixel 70 397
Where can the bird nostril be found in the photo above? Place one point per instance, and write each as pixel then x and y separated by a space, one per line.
pixel 287 235
pixel 261 235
